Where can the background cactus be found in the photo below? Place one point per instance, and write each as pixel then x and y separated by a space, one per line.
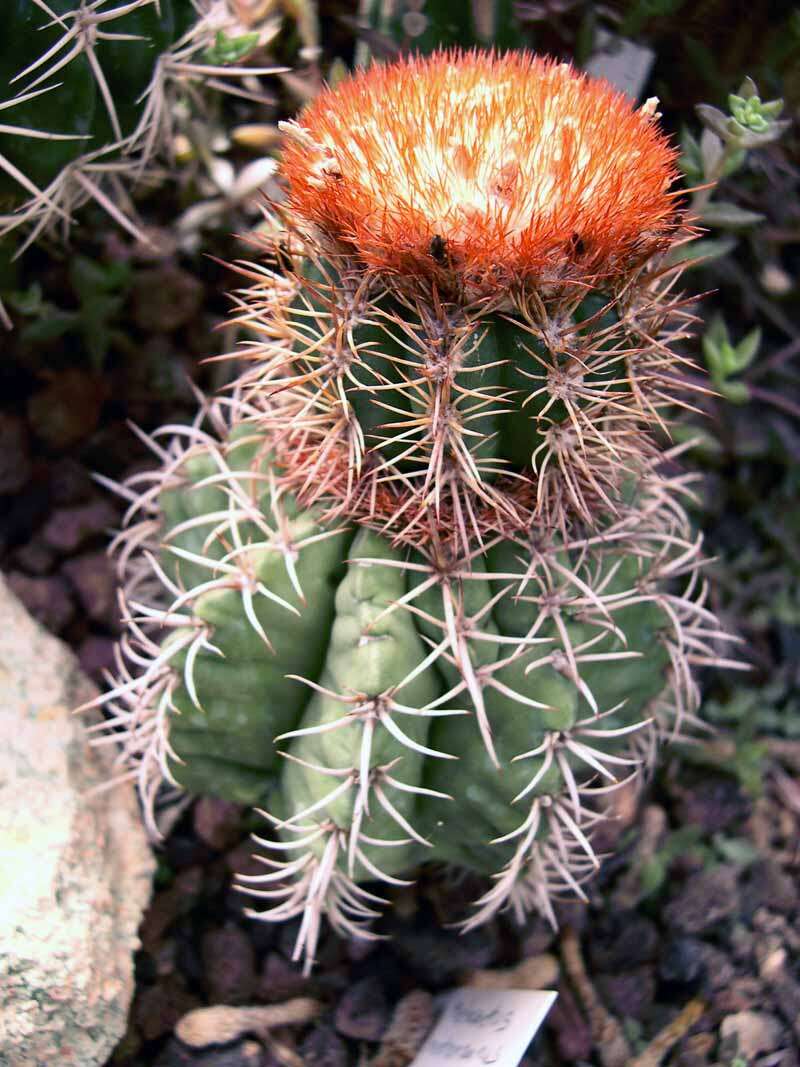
pixel 422 585
pixel 96 87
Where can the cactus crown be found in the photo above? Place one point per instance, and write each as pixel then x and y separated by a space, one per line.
pixel 483 173
pixel 430 523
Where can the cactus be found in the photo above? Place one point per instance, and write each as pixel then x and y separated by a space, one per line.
pixel 422 586
pixel 96 85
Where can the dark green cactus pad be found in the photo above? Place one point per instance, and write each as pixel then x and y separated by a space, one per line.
pixel 68 110
pixel 448 403
pixel 74 104
pixel 464 689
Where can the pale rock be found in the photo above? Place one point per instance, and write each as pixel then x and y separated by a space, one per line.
pixel 75 868
pixel 752 1033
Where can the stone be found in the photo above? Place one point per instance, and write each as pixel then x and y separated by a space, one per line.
pixel 68 528
pixel 67 409
pixel 536 972
pixel 165 298
pixel 217 822
pixel 362 1012
pixel 436 956
pixel 92 575
pixel 628 995
pixel 70 482
pixel 76 869
pixel 621 940
pixel 15 460
pixel 412 1021
pixel 159 1007
pixel 322 1047
pixel 786 993
pixel 170 904
pixel 573 1037
pixel 230 965
pixel 96 654
pixel 280 979
pixel 47 599
pixel 751 1033
pixel 34 557
pixel 768 885
pixel 222 1024
pixel 696 1050
pixel 719 970
pixel 707 898
pixel 245 1053
pixel 682 964
pixel 715 803
pixel 744 993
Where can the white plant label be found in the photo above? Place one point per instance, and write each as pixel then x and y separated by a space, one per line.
pixel 481 1027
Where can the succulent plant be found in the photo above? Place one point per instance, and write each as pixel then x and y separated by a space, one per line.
pixel 421 587
pixel 97 83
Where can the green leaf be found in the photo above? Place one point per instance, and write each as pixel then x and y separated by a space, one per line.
pixel 54 323
pixel 700 440
pixel 752 113
pixel 28 301
pixel 728 215
pixel 734 159
pixel 734 392
pixel 746 350
pixel 698 253
pixel 713 119
pixel 226 50
pixel 736 849
pixel 712 150
pixel 724 359
pixel 749 766
pixel 88 277
pixel 652 876
pixel 691 160
pixel 747 88
pixel 716 336
pixel 752 139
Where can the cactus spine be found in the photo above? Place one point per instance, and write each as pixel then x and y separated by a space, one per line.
pixel 422 586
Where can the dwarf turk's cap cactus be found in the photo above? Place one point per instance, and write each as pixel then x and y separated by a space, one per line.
pixel 422 584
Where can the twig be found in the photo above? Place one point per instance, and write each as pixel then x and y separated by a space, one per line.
pixel 768 396
pixel 653 826
pixel 411 1023
pixel 775 361
pixel 668 1037
pixel 607 1034
pixel 221 1023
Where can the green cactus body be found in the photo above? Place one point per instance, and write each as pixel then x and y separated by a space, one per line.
pixel 422 586
pixel 380 708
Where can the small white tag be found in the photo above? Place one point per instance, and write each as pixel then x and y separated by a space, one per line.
pixel 485 1026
